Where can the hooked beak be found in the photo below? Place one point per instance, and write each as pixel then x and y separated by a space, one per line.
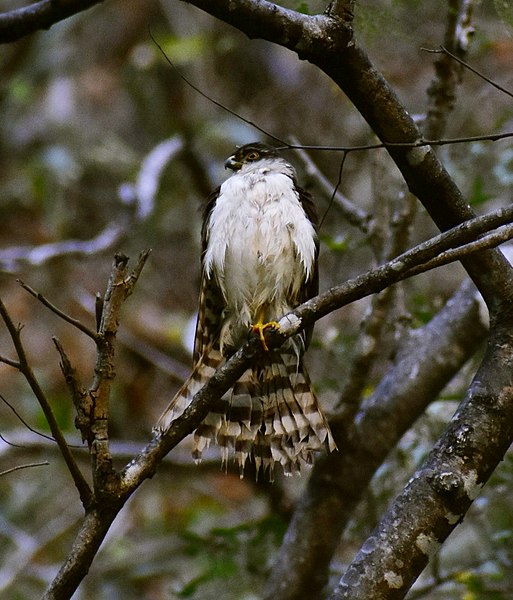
pixel 231 163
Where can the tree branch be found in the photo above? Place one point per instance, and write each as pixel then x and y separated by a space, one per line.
pixel 26 466
pixel 20 22
pixel 339 480
pixel 442 91
pixel 45 302
pixel 442 489
pixel 419 259
pixel 327 42
pixel 96 402
pixel 24 368
pixel 116 488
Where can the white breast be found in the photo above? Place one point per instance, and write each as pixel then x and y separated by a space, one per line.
pixel 261 245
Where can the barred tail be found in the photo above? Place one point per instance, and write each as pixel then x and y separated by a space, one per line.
pixel 203 370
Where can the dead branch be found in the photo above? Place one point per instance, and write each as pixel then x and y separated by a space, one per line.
pixel 442 91
pixel 24 367
pixel 26 466
pixel 38 255
pixel 45 302
pixel 20 22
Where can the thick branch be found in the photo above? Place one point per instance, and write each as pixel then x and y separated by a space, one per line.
pixel 340 479
pixel 87 543
pixel 441 491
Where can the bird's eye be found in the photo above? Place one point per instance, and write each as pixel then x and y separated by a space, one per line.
pixel 253 155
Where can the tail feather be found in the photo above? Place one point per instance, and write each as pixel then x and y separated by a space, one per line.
pixel 270 415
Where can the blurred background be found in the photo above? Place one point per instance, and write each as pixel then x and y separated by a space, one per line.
pixel 104 148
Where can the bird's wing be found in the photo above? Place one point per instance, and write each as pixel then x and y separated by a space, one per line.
pixel 211 301
pixel 311 286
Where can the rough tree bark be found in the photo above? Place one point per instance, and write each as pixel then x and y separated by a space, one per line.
pixel 338 482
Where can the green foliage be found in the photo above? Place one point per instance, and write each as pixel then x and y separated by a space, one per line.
pixel 183 50
pixel 337 243
pixel 478 193
pixel 422 310
pixel 231 553
pixel 302 7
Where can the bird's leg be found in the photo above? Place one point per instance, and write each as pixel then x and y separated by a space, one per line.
pixel 259 327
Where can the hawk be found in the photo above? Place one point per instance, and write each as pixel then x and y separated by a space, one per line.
pixel 259 261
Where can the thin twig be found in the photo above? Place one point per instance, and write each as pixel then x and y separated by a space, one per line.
pixel 351 212
pixel 75 322
pixel 419 143
pixel 26 370
pixel 9 361
pixel 22 420
pixel 470 68
pixel 335 189
pixel 490 240
pixel 136 273
pixel 207 97
pixel 78 393
pixel 12 444
pixel 27 466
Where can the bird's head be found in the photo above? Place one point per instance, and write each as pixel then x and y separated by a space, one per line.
pixel 249 153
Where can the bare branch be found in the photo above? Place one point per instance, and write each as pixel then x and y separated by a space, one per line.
pixel 83 328
pixel 38 255
pixel 22 420
pixel 489 240
pixel 26 370
pixel 442 91
pixel 78 393
pixel 135 274
pixel 470 68
pixel 339 480
pixel 18 23
pixel 27 466
pixel 350 211
pixel 454 244
pixel 441 491
pixel 9 361
pixel 93 406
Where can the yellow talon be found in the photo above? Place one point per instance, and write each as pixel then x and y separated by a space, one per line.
pixel 261 327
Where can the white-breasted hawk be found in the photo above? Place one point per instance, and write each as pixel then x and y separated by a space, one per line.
pixel 259 261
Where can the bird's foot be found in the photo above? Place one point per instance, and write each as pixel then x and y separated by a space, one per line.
pixel 261 327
